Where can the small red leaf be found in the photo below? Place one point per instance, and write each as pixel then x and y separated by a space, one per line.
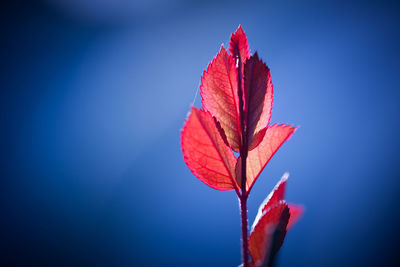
pixel 258 158
pixel 205 152
pixel 277 194
pixel 238 46
pixel 259 96
pixel 240 52
pixel 267 216
pixel 262 240
pixel 219 92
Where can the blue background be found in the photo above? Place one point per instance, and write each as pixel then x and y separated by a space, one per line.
pixel 93 97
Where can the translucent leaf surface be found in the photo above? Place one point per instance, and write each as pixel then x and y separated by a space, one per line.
pixel 258 158
pixel 219 91
pixel 238 46
pixel 258 98
pixel 206 153
pixel 263 238
pixel 278 194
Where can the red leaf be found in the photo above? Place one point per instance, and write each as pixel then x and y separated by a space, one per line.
pixel 240 52
pixel 258 158
pixel 259 95
pixel 219 92
pixel 278 194
pixel 263 239
pixel 238 46
pixel 205 152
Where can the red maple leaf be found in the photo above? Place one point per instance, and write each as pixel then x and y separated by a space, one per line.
pixel 237 95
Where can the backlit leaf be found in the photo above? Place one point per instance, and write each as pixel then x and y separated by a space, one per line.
pixel 219 92
pixel 264 238
pixel 259 95
pixel 278 194
pixel 238 46
pixel 258 158
pixel 240 52
pixel 205 152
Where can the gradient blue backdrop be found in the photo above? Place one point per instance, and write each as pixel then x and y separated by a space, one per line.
pixel 93 97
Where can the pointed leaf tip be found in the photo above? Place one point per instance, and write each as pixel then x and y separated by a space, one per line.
pixel 276 195
pixel 238 46
pixel 205 152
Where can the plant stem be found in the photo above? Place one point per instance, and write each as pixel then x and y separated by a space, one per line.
pixel 245 246
pixel 243 156
pixel 243 207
